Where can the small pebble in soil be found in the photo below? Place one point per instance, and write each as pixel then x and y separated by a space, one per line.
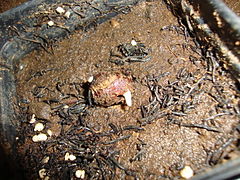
pixel 39 127
pixel 45 159
pixel 110 88
pixel 60 10
pixel 133 42
pixel 39 137
pixel 49 132
pixel 67 14
pixel 90 79
pixel 21 66
pixel 186 172
pixel 70 157
pixel 33 119
pixel 65 107
pixel 80 174
pixel 50 23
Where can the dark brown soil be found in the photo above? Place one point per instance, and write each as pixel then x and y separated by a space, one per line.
pixel 8 4
pixel 184 105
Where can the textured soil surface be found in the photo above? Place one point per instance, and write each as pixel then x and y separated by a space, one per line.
pixel 184 110
pixel 234 5
pixel 8 4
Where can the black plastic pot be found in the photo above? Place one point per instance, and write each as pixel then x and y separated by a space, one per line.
pixel 221 26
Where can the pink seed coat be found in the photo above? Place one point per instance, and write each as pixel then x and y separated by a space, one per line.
pixel 108 88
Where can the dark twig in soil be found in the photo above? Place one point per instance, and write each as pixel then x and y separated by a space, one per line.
pixel 217 115
pixel 138 155
pixel 133 128
pixel 81 14
pixel 120 166
pixel 129 52
pixel 194 86
pixel 216 155
pixel 201 126
pixel 40 73
pixel 179 114
pixel 169 48
pixel 220 99
pixel 179 29
pixel 212 64
pixel 150 119
pixel 5 67
pixel 114 128
pixel 117 140
pixel 37 42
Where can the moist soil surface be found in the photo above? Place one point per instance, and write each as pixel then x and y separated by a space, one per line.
pixel 184 106
pixel 234 5
pixel 8 4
